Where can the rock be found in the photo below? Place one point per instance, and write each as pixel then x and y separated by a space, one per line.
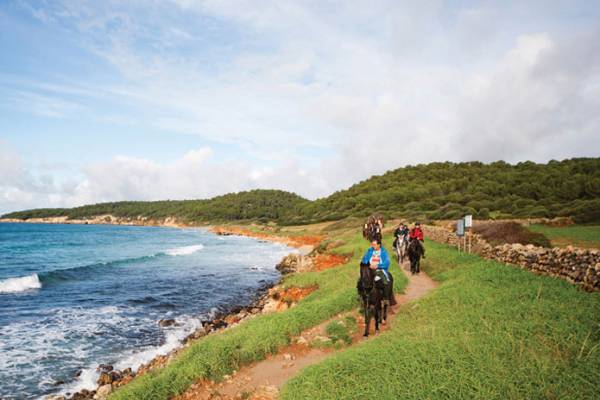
pixel 104 368
pixel 103 392
pixel 288 357
pixel 104 379
pixel 124 381
pixel 295 263
pixel 219 323
pixel 301 340
pixel 166 322
pixel 116 375
pixel 84 395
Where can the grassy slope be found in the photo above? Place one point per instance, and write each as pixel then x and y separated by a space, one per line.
pixel 488 331
pixel 587 236
pixel 252 340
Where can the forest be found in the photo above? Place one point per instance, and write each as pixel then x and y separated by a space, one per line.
pixel 442 190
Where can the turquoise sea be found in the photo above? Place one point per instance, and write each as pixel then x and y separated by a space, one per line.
pixel 75 296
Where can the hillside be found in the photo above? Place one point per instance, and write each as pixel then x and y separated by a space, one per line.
pixel 429 191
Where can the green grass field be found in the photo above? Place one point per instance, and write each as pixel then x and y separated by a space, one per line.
pixel 587 236
pixel 489 331
pixel 220 354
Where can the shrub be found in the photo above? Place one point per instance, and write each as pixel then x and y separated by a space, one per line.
pixel 501 232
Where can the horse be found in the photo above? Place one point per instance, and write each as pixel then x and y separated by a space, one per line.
pixel 400 245
pixel 370 287
pixel 415 252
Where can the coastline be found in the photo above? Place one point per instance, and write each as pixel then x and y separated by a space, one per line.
pixel 105 219
pixel 267 299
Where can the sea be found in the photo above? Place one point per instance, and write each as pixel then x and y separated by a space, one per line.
pixel 76 296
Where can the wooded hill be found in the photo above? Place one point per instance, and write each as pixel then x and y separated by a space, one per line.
pixel 427 191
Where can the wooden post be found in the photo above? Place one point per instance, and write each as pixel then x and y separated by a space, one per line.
pixel 469 241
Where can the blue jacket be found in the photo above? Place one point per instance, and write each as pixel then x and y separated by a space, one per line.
pixel 385 258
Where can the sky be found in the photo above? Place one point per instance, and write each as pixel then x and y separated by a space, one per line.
pixel 184 99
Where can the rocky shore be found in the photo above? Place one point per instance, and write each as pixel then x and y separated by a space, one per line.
pixel 270 298
pixel 106 219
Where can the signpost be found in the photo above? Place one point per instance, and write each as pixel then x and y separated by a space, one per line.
pixel 463 230
pixel 460 230
pixel 468 224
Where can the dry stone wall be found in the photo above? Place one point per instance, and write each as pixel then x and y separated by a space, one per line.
pixel 578 266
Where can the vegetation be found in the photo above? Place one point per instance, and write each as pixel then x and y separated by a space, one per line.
pixel 432 191
pixel 220 354
pixel 501 232
pixel 341 330
pixel 587 236
pixel 489 331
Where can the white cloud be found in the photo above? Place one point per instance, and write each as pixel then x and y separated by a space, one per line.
pixel 377 85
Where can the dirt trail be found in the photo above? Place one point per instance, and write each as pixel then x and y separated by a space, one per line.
pixel 262 380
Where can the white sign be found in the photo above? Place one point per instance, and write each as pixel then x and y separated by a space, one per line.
pixel 468 221
pixel 460 227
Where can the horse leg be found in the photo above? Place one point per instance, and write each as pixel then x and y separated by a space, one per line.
pixel 377 318
pixel 385 310
pixel 367 320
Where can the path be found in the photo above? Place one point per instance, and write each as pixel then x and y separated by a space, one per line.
pixel 262 380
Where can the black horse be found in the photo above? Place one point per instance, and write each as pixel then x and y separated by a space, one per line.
pixel 415 252
pixel 371 287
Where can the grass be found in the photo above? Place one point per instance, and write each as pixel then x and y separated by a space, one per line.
pixel 489 331
pixel 587 236
pixel 341 330
pixel 221 354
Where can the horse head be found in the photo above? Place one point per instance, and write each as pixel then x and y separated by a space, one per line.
pixel 367 276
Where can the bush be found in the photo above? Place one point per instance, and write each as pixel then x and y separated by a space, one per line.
pixel 501 232
pixel 586 212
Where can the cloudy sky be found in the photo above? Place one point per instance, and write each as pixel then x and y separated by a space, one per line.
pixel 113 100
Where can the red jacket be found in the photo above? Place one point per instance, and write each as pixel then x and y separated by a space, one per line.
pixel 417 233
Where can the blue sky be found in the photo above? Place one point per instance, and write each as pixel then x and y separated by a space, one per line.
pixel 104 101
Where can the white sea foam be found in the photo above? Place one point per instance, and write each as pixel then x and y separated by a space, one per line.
pixel 134 359
pixel 21 284
pixel 185 250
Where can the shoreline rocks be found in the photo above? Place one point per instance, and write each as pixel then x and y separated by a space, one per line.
pixel 266 301
pixel 110 378
pixel 295 263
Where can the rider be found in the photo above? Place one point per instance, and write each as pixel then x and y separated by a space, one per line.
pixel 377 257
pixel 416 233
pixel 401 230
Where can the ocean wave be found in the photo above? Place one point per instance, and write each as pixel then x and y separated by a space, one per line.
pixel 20 284
pixel 135 358
pixel 77 272
pixel 184 251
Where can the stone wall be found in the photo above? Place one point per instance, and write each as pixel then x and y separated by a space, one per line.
pixel 578 266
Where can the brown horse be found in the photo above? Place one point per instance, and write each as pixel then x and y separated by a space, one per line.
pixel 371 293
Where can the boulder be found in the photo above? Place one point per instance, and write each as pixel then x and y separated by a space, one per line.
pixel 166 322
pixel 103 392
pixel 295 263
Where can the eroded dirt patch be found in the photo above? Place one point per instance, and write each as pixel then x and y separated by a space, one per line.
pixel 326 261
pixel 294 241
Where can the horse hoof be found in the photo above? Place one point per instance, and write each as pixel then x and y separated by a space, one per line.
pixel 377 332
